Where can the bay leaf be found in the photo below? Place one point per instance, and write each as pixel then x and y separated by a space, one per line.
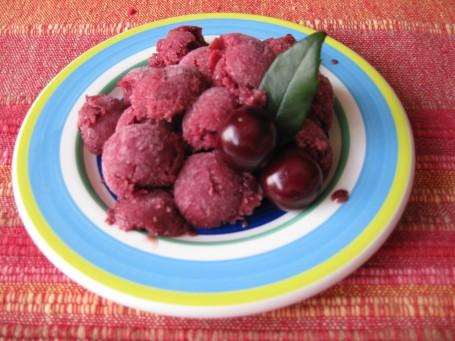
pixel 291 83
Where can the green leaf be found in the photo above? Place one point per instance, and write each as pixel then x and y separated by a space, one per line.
pixel 291 83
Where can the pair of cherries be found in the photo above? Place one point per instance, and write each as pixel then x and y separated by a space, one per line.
pixel 292 179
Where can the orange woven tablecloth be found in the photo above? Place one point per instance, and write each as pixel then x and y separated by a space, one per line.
pixel 406 291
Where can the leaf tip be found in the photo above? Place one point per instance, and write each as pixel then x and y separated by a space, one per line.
pixel 319 35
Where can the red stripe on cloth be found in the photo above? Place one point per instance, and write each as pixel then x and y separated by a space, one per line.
pixel 11 117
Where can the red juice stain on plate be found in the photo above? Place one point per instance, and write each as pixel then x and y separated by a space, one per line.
pixel 153 239
pixel 334 61
pixel 131 11
pixel 340 196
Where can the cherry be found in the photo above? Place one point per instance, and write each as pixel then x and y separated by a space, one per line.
pixel 247 139
pixel 292 180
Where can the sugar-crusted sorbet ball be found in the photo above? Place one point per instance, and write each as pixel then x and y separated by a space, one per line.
pixel 178 42
pixel 281 44
pixel 199 59
pixel 131 116
pixel 239 59
pixel 128 82
pixel 313 140
pixel 209 193
pixel 321 110
pixel 165 93
pixel 209 113
pixel 128 117
pixel 239 62
pixel 153 211
pixel 97 120
pixel 141 156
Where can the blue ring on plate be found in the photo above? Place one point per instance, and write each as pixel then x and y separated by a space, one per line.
pixel 68 222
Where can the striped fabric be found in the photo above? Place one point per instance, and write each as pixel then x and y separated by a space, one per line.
pixel 406 291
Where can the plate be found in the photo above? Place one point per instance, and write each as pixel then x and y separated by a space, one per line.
pixel 280 258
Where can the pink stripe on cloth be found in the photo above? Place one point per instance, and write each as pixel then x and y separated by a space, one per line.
pixel 40 58
pixel 417 65
pixel 420 79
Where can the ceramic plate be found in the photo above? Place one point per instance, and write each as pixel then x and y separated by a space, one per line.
pixel 279 258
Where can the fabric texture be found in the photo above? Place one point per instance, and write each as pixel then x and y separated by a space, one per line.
pixel 406 291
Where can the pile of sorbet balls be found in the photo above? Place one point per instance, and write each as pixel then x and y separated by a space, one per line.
pixel 189 144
